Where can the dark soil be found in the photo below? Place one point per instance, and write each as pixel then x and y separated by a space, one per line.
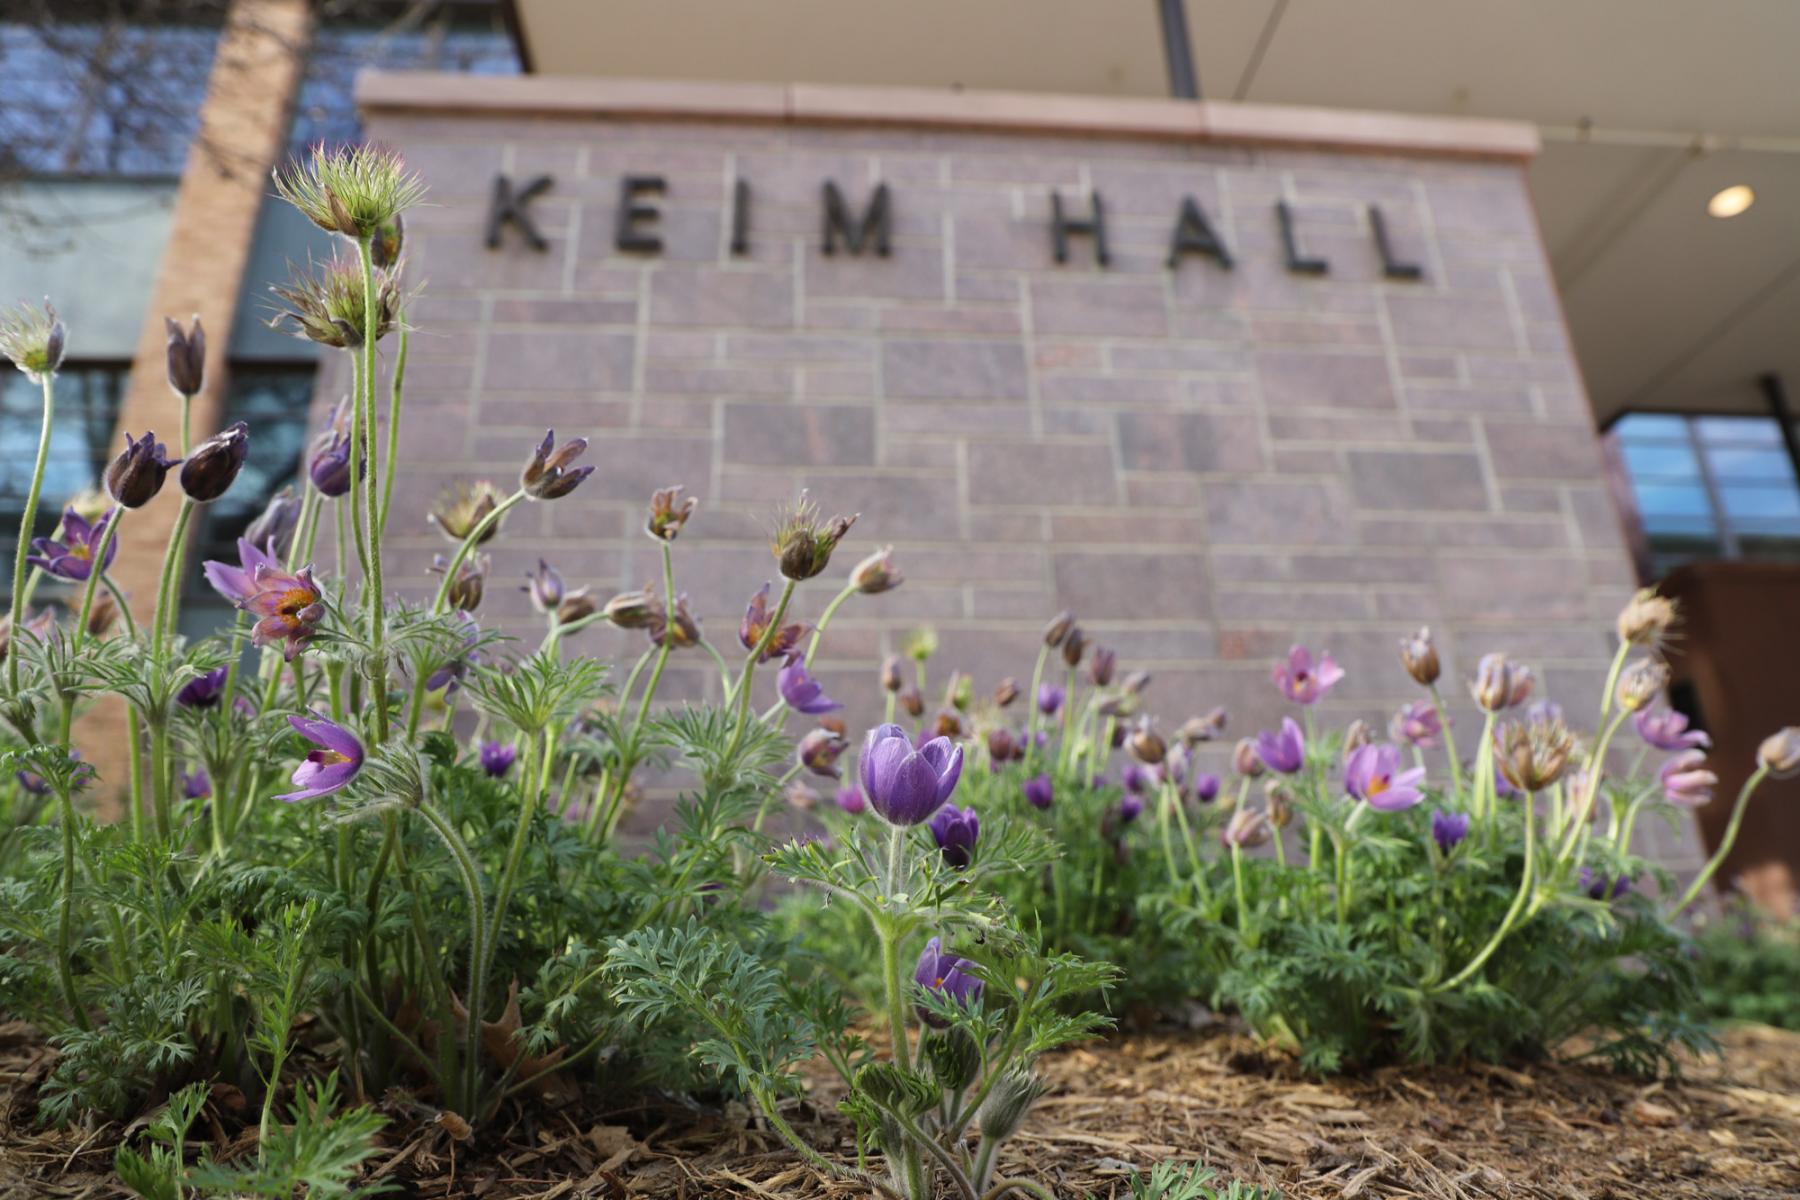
pixel 1729 1128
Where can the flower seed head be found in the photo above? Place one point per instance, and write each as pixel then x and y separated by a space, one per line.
pixel 669 513
pixel 461 509
pixel 33 339
pixel 388 243
pixel 1531 755
pixel 1646 618
pixel 803 543
pixel 328 305
pixel 1641 682
pixel 352 190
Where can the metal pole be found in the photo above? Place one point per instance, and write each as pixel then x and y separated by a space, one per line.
pixel 1776 395
pixel 1184 81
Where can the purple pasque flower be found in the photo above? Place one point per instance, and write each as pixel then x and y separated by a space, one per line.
pixel 203 691
pixel 1599 887
pixel 956 831
pixel 289 605
pixel 906 785
pixel 1050 699
pixel 1686 781
pixel 72 558
pixel 819 750
pixel 1131 807
pixel 1449 828
pixel 801 691
pixel 329 468
pixel 1666 729
pixel 850 799
pixel 1373 775
pixel 497 758
pixel 1282 750
pixel 1206 787
pixel 755 626
pixel 238 583
pixel 329 768
pixel 1039 791
pixel 1303 681
pixel 1417 724
pixel 545 587
pixel 196 784
pixel 947 975
pixel 80 776
pixel 1137 778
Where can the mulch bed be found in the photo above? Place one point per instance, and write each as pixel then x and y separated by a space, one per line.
pixel 1729 1128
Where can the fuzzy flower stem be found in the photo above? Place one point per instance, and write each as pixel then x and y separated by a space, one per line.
pixel 377 613
pixel 1526 879
pixel 307 530
pixel 719 661
pixel 746 676
pixel 468 545
pixel 168 588
pixel 1437 702
pixel 65 926
pixel 837 602
pixel 395 385
pixel 26 520
pixel 1612 678
pixel 533 779
pixel 1031 703
pixel 1725 843
pixel 1068 742
pixel 1482 796
pixel 1245 927
pixel 662 654
pixel 136 788
pixel 470 876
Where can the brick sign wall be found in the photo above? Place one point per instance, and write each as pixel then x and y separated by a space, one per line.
pixel 1205 463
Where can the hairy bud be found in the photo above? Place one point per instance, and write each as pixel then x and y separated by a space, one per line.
pixel 1003 1113
pixel 1492 688
pixel 954 1058
pixel 1059 627
pixel 911 701
pixel 892 677
pixel 1006 691
pixel 186 357
pixel 1073 646
pixel 1779 753
pixel 876 573
pixel 214 465
pixel 1420 657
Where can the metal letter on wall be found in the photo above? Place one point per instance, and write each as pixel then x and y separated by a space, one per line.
pixel 740 216
pixel 630 232
pixel 508 207
pixel 1062 226
pixel 1290 247
pixel 1194 235
pixel 874 222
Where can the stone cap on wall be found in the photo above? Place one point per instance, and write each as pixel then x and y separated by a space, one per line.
pixel 1210 121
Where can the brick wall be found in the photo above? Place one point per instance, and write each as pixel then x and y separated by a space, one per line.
pixel 1206 465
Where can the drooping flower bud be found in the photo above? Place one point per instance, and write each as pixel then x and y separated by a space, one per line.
pixel 1531 755
pixel 669 513
pixel 1779 753
pixel 819 751
pixel 679 634
pixel 1247 829
pixel 891 678
pixel 102 615
pixel 803 542
pixel 1006 691
pixel 137 474
pixel 876 573
pixel 273 529
pixel 545 587
pixel 1003 1113
pixel 548 475
pixel 1646 618
pixel 461 509
pixel 1203 729
pixel 1641 683
pixel 1002 746
pixel 1102 665
pixel 947 723
pixel 1245 760
pixel 1058 628
pixel 469 582
pixel 1420 657
pixel 1146 745
pixel 755 626
pixel 633 610
pixel 214 465
pixel 1492 688
pixel 577 605
pixel 1073 646
pixel 186 357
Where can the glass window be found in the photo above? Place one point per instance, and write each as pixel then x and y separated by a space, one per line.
pixel 92 97
pixel 1711 487
pixel 87 408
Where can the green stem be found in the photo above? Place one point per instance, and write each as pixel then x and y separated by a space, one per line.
pixel 837 602
pixel 1725 844
pixel 1245 928
pixel 96 570
pixel 1031 701
pixel 746 676
pixel 1437 702
pixel 471 880
pixel 168 588
pixel 135 769
pixel 1512 913
pixel 1612 678
pixel 27 520
pixel 395 384
pixel 371 499
pixel 65 929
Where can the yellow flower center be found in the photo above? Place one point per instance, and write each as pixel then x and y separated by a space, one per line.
pixel 1378 785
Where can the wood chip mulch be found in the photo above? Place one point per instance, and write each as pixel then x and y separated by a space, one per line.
pixel 1730 1127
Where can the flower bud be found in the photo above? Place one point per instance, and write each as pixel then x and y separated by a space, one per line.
pixel 545 587
pixel 1279 799
pixel 1492 688
pixel 911 701
pixel 1244 759
pixel 891 673
pixel 1646 618
pixel 819 751
pixel 1420 657
pixel 1641 683
pixel 137 474
pixel 1247 829
pixel 1519 685
pixel 1058 628
pixel 387 243
pixel 102 615
pixel 669 513
pixel 1073 646
pixel 948 723
pixel 273 529
pixel 1203 729
pixel 186 357
pixel 960 692
pixel 1779 753
pixel 633 610
pixel 214 465
pixel 1101 666
pixel 1146 745
pixel 803 542
pixel 954 1058
pixel 548 474
pixel 460 510
pixel 876 574
pixel 1003 1113
pixel 677 634
pixel 1357 736
pixel 1006 691
pixel 467 585
pixel 1003 746
pixel 33 339
pixel 577 605
pixel 1136 682
pixel 920 644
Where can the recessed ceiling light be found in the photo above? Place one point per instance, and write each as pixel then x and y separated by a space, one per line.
pixel 1732 201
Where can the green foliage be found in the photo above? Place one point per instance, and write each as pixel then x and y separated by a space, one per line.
pixel 1174 1181
pixel 317 1156
pixel 1749 967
